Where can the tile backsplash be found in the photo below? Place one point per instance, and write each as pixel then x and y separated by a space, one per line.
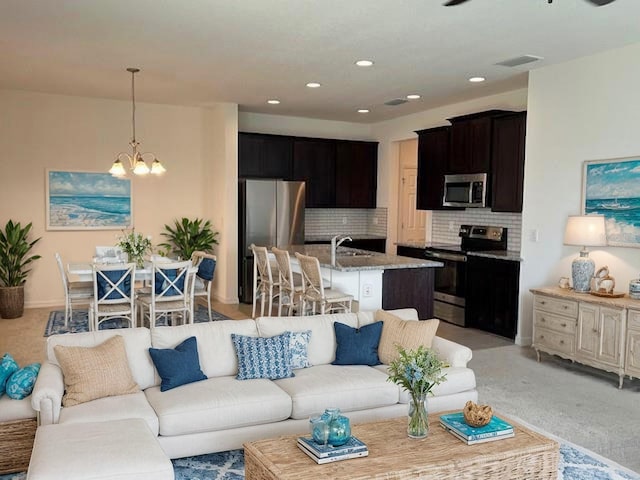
pixel 345 221
pixel 446 224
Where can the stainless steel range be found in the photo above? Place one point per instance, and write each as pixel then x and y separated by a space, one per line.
pixel 451 279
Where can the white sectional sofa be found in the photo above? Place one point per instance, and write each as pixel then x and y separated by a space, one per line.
pixel 221 413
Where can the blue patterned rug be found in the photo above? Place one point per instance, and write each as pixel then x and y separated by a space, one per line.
pixel 80 321
pixel 576 463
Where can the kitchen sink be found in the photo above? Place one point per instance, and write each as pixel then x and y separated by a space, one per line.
pixel 354 254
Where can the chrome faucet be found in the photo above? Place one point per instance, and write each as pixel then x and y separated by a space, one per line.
pixel 335 243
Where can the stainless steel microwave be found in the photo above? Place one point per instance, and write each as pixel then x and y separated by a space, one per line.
pixel 465 190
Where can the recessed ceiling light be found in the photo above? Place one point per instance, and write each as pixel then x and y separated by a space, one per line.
pixel 364 63
pixel 477 79
pixel 363 110
pixel 313 85
pixel 273 101
pixel 413 96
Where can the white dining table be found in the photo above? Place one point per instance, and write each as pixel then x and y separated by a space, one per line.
pixel 84 271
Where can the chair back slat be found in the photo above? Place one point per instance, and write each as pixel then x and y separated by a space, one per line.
pixel 311 275
pixel 284 267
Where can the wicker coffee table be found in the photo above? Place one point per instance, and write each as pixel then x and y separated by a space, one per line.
pixel 392 455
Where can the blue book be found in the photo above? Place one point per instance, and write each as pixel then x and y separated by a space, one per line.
pixel 323 451
pixel 495 428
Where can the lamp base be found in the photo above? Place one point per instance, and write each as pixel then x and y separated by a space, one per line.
pixel 582 270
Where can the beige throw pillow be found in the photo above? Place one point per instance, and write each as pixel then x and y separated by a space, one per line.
pixel 95 372
pixel 409 334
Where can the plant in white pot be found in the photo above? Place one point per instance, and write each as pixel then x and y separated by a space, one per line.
pixel 15 260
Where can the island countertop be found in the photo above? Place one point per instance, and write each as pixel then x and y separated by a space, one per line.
pixel 352 259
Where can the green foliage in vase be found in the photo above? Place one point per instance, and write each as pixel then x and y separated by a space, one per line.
pixel 14 254
pixel 417 371
pixel 187 236
pixel 135 245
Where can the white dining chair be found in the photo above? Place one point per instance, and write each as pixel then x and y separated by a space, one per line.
pixel 206 265
pixel 114 294
pixel 75 293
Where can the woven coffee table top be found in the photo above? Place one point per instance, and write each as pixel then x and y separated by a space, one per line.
pixel 393 455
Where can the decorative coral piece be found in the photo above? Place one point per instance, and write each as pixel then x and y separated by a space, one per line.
pixel 477 415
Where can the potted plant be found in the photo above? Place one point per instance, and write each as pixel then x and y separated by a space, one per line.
pixel 187 236
pixel 14 260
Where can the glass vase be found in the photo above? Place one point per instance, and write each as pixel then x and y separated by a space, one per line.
pixel 339 427
pixel 418 426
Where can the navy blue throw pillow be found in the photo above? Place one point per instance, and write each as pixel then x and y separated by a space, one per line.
pixel 357 346
pixel 178 366
pixel 206 268
pixel 171 274
pixel 114 276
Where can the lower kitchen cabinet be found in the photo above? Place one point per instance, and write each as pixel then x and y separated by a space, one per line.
pixel 601 333
pixel 409 288
pixel 492 295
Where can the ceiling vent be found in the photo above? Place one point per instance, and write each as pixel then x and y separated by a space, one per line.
pixel 517 61
pixel 396 101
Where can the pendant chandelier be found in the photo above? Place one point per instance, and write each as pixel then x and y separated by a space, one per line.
pixel 135 161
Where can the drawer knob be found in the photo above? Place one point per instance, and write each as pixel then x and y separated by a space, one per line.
pixel 563 325
pixel 542 319
pixel 543 302
pixel 565 307
pixel 594 330
pixel 541 337
pixel 561 342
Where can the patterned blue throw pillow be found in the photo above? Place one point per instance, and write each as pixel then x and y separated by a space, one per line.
pixel 20 384
pixel 299 346
pixel 263 357
pixel 7 368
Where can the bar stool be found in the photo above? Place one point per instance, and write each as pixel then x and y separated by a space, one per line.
pixel 329 300
pixel 290 293
pixel 263 282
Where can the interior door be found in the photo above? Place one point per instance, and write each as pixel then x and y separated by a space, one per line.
pixel 413 222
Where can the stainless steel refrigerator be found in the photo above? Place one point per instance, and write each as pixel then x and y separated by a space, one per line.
pixel 271 214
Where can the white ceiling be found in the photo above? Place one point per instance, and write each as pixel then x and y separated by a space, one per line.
pixel 199 52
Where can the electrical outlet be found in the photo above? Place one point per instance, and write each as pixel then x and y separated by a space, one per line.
pixel 344 220
pixel 367 290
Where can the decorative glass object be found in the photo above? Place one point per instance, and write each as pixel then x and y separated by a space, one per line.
pixel 418 426
pixel 634 289
pixel 319 430
pixel 339 427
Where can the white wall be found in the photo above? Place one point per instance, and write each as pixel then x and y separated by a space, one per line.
pixel 587 109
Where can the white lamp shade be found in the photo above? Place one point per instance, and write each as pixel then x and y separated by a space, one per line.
pixel 585 230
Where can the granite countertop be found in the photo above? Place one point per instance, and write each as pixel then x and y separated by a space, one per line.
pixel 352 259
pixel 571 294
pixel 511 255
pixel 356 236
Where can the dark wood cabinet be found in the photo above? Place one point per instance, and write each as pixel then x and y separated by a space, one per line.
pixel 433 158
pixel 507 162
pixel 470 150
pixel 264 156
pixel 409 288
pixel 492 295
pixel 314 162
pixel 356 174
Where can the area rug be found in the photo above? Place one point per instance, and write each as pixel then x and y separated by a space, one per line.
pixel 80 321
pixel 576 463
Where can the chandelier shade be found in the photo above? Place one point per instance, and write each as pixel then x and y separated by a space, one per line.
pixel 135 161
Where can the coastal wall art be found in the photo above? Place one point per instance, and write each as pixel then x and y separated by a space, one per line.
pixel 87 201
pixel 612 188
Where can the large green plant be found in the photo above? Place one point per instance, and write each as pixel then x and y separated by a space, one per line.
pixel 186 236
pixel 14 254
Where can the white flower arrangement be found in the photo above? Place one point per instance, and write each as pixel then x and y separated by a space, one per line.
pixel 135 245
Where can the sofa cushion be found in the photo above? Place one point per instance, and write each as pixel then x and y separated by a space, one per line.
pixel 357 346
pixel 407 333
pixel 20 384
pixel 178 366
pixel 215 348
pixel 322 344
pixel 95 372
pixel 299 347
pixel 263 357
pixel 137 342
pixel 349 388
pixel 458 379
pixel 109 409
pixel 217 404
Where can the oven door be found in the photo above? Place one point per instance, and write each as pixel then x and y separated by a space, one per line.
pixel 450 286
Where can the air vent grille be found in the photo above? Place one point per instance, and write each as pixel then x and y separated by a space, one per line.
pixel 396 101
pixel 517 61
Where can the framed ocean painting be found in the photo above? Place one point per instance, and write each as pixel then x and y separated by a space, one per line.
pixel 612 188
pixel 87 201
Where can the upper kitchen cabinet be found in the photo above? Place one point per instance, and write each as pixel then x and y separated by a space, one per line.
pixel 470 150
pixel 314 162
pixel 507 162
pixel 356 174
pixel 265 156
pixel 433 158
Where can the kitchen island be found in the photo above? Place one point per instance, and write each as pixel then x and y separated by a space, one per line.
pixel 375 280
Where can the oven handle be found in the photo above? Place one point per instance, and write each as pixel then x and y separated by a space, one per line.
pixel 446 256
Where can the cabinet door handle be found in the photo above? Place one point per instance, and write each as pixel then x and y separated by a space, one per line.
pixel 542 302
pixel 595 330
pixel 542 319
pixel 563 325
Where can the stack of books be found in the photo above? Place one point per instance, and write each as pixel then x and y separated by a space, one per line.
pixel 496 429
pixel 354 448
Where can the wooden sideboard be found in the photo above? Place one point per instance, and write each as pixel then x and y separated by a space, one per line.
pixel 601 332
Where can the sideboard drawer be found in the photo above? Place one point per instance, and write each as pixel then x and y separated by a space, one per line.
pixel 555 322
pixel 557 342
pixel 633 319
pixel 556 305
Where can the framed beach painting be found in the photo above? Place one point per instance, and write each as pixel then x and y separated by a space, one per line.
pixel 612 188
pixel 87 201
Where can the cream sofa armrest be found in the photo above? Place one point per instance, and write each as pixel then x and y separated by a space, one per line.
pixel 46 397
pixel 454 354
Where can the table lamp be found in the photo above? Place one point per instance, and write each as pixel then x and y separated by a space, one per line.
pixel 588 231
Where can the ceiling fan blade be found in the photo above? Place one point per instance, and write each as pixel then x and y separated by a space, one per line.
pixel 452 3
pixel 601 3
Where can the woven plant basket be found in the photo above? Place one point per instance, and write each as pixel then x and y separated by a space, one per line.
pixel 11 301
